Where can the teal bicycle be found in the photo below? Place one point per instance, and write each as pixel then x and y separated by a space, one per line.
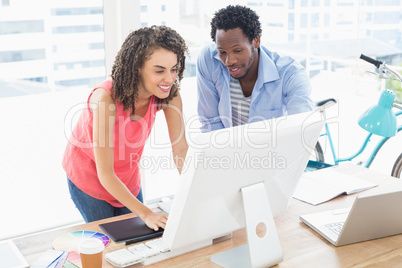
pixel 380 119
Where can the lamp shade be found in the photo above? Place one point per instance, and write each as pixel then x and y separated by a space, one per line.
pixel 380 119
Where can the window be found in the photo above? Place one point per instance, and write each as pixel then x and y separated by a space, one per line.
pixel 315 20
pixel 76 11
pixel 22 55
pixel 392 35
pixel 345 3
pixel 386 17
pixel 253 4
pixel 291 21
pixel 77 29
pixel 20 27
pixel 291 4
pixel 369 17
pixel 303 21
pixel 315 3
pixel 80 82
pixel 277 25
pixel 395 3
pixel 50 64
pixel 326 19
pixel 96 46
pixel 345 18
pixel 83 64
pixel 37 79
pixel 275 4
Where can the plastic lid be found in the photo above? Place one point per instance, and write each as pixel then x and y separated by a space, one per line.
pixel 91 246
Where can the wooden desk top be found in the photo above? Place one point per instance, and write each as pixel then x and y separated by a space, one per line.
pixel 301 246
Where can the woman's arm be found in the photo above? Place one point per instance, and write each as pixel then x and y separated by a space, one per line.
pixel 175 122
pixel 104 116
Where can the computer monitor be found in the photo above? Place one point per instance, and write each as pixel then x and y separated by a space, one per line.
pixel 241 176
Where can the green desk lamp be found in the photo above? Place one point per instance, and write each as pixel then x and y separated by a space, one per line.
pixel 380 119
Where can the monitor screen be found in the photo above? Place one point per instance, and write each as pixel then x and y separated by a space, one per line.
pixel 209 202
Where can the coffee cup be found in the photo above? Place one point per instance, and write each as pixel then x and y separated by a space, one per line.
pixel 91 253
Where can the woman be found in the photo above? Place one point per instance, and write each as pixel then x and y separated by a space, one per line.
pixel 102 157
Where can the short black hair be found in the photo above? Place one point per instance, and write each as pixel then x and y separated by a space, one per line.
pixel 237 16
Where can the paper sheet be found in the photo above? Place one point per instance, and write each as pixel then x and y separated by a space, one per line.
pixel 323 185
pixel 47 259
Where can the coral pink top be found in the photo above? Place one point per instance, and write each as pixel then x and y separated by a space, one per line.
pixel 129 138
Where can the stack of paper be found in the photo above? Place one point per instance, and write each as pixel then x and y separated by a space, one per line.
pixel 323 185
pixel 58 259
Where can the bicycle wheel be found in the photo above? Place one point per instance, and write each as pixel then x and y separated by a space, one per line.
pixel 397 169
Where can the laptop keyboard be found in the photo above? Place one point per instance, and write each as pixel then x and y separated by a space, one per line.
pixel 137 253
pixel 336 227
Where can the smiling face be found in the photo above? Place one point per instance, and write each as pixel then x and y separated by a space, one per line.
pixel 237 53
pixel 158 74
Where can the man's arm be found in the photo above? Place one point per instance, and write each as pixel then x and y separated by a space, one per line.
pixel 208 98
pixel 297 92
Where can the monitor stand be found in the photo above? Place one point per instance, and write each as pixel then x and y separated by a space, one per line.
pixel 263 250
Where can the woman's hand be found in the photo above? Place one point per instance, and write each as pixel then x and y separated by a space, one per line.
pixel 156 220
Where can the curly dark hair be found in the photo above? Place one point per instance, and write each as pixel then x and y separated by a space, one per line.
pixel 135 51
pixel 237 16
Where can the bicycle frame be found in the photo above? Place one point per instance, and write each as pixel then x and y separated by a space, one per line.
pixel 362 148
pixel 383 69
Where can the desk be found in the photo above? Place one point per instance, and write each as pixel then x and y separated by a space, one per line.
pixel 301 246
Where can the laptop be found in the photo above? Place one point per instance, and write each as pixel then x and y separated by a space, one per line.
pixel 372 216
pixel 10 256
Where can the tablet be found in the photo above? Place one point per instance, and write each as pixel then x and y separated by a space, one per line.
pixel 10 256
pixel 132 230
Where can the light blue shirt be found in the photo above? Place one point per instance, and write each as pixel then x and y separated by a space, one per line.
pixel 282 88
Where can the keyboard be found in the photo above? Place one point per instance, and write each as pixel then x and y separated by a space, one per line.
pixel 336 227
pixel 166 205
pixel 135 254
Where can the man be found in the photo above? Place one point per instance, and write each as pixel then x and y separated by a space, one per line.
pixel 240 81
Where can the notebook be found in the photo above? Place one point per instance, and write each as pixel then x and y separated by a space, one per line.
pixel 373 215
pixel 132 230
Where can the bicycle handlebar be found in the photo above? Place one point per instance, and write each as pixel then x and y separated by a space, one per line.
pixel 382 68
pixel 377 63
